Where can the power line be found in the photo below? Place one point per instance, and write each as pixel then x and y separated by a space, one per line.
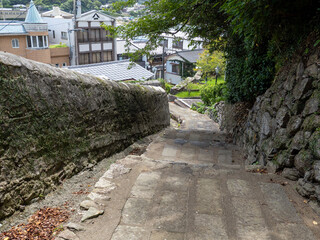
pixel 15 18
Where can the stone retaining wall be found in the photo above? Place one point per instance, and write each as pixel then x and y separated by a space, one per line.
pixel 282 130
pixel 55 122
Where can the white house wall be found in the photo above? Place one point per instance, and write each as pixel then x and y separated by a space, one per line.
pixel 172 78
pixel 83 24
pixel 84 48
pixel 89 17
pixel 59 25
pixel 107 46
pixel 96 46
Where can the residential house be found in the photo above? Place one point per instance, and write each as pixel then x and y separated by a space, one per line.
pixel 180 65
pixel 123 49
pixel 116 71
pixel 56 12
pixel 87 40
pixel 29 39
pixel 172 44
pixel 18 12
pixel 92 43
pixel 60 30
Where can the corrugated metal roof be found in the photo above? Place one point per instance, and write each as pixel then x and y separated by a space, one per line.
pixel 33 15
pixel 12 29
pixel 116 71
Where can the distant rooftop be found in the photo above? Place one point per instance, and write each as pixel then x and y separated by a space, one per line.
pixel 12 28
pixel 116 70
pixel 56 12
pixel 19 6
pixel 191 56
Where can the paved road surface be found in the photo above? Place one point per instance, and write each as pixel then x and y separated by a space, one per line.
pixel 191 184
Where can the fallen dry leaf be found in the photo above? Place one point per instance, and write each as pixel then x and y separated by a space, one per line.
pixel 41 225
pixel 305 201
pixel 315 223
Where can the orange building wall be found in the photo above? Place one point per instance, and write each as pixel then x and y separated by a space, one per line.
pixel 60 56
pixel 40 55
pixel 6 45
pixel 50 56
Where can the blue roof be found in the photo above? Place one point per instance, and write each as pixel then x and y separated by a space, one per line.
pixel 33 16
pixel 12 29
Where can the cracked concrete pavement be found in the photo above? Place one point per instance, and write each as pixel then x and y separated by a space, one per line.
pixel 191 184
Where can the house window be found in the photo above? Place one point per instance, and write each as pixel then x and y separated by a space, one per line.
pixel 64 35
pixel 37 41
pixel 53 34
pixel 94 35
pixel 82 36
pixel 40 42
pixel 175 68
pixel 15 43
pixel 165 43
pixel 177 44
pixel 57 64
pixel 34 42
pixel 96 57
pixel 105 37
pixel 107 56
pixel 29 44
pixel 122 56
pixel 84 58
pixel 64 64
pixel 45 41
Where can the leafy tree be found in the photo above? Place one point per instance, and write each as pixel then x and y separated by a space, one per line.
pixel 172 16
pixel 86 5
pixel 209 61
pixel 255 35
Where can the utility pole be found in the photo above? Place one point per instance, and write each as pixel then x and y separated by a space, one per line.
pixel 75 2
pixel 163 48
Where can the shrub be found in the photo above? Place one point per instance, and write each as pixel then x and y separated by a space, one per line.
pixel 60 45
pixel 210 93
pixel 168 87
pixel 199 107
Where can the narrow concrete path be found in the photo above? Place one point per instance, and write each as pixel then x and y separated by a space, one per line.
pixel 191 184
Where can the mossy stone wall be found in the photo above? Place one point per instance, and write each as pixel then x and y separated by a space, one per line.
pixel 282 130
pixel 54 122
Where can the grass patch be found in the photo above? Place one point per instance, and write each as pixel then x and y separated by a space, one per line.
pixel 186 94
pixel 212 80
pixel 193 86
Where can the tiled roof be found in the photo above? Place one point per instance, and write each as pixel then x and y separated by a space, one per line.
pixel 6 29
pixel 191 56
pixel 116 71
pixel 33 15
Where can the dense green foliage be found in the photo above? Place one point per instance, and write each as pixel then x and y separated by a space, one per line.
pixel 44 5
pixel 249 71
pixel 208 62
pixel 257 36
pixel 211 93
pixel 168 87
